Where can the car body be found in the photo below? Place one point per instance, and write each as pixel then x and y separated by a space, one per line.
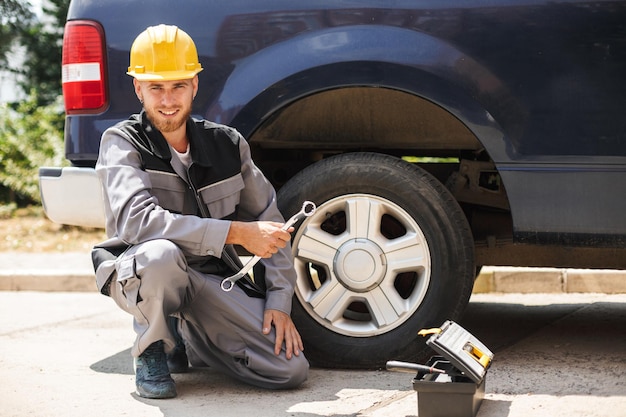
pixel 434 136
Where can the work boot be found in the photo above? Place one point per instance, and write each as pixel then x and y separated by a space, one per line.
pixel 152 377
pixel 177 360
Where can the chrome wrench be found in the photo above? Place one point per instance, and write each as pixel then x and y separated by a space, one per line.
pixel 307 210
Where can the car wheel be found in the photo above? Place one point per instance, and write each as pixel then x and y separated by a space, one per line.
pixel 387 253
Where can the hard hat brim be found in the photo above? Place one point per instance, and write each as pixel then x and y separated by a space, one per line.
pixel 165 75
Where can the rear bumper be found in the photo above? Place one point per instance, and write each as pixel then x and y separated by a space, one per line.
pixel 72 196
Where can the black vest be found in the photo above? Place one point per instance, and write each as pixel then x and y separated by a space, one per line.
pixel 214 152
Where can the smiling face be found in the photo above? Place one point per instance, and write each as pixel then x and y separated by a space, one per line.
pixel 167 103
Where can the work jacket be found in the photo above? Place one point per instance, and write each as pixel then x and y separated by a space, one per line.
pixel 150 195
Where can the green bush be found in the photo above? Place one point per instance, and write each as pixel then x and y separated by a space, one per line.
pixel 31 136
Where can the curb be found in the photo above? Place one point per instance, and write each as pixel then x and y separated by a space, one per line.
pixel 51 271
pixel 550 280
pixel 490 280
pixel 47 281
pixel 72 272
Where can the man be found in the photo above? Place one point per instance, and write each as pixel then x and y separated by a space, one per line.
pixel 179 192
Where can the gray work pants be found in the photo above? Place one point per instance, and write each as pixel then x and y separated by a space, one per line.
pixel 220 329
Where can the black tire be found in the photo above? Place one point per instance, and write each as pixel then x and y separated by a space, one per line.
pixel 366 287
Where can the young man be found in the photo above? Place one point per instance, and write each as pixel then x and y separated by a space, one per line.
pixel 179 192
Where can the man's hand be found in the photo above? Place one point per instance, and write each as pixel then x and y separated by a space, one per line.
pixel 259 238
pixel 285 332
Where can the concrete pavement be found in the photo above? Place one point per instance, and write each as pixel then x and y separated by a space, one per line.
pixel 67 354
pixel 64 350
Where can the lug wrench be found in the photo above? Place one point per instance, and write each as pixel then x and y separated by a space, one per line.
pixel 307 210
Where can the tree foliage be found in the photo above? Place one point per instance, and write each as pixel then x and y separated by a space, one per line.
pixel 41 41
pixel 31 131
pixel 29 138
pixel 15 17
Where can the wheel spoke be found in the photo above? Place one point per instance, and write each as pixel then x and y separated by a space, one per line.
pixel 330 301
pixel 314 233
pixel 385 308
pixel 405 254
pixel 399 304
pixel 358 217
pixel 315 251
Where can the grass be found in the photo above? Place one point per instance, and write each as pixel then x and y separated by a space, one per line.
pixel 28 230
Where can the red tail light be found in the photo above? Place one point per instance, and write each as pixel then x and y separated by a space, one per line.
pixel 84 78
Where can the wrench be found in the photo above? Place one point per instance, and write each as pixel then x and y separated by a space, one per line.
pixel 307 210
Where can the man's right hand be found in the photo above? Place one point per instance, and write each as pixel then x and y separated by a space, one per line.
pixel 260 238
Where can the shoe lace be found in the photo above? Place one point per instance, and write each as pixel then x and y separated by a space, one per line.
pixel 154 360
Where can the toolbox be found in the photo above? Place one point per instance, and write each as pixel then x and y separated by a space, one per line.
pixel 452 383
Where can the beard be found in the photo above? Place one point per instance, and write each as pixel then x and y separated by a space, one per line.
pixel 168 125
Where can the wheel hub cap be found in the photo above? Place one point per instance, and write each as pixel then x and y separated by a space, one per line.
pixel 360 265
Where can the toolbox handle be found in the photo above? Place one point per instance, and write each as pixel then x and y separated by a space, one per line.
pixel 428 332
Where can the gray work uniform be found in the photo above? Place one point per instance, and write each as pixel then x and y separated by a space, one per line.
pixel 170 223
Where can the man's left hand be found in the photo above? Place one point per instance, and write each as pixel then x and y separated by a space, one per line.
pixel 285 332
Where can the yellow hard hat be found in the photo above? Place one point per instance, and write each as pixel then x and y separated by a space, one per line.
pixel 163 53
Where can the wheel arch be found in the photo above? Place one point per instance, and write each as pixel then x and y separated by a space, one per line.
pixel 265 85
pixel 375 106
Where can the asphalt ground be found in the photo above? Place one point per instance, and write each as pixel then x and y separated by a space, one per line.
pixel 67 354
